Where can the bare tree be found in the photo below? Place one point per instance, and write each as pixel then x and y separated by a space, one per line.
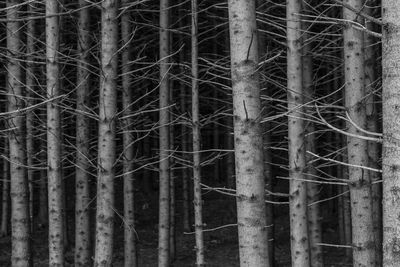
pixel 5 195
pixel 82 214
pixel 106 141
pixel 253 243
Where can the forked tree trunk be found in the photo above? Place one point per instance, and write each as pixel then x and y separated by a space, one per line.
pixel 130 253
pixel 251 212
pixel 296 127
pixel 197 201
pixel 164 168
pixel 20 226
pixel 54 173
pixel 391 131
pixel 82 198
pixel 106 141
pixel 360 186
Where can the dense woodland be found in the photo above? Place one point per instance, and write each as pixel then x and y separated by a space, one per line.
pixel 200 133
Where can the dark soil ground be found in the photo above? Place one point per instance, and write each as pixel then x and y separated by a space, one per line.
pixel 221 245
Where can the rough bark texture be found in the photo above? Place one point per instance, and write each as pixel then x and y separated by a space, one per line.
pixel 360 186
pixel 5 196
pixel 20 230
pixel 106 141
pixel 253 241
pixel 297 162
pixel 130 253
pixel 198 207
pixel 164 168
pixel 54 174
pixel 391 132
pixel 82 198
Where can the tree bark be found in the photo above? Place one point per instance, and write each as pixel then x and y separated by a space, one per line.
pixel 5 219
pixel 164 168
pixel 253 241
pixel 297 161
pixel 106 141
pixel 20 223
pixel 391 130
pixel 360 183
pixel 82 172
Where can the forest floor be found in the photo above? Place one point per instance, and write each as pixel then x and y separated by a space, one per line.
pixel 221 245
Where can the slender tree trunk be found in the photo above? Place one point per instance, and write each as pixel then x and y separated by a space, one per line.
pixel 313 189
pixel 106 142
pixel 82 202
pixel 130 253
pixel 297 161
pixel 30 89
pixel 360 183
pixel 172 204
pixel 20 226
pixel 54 173
pixel 198 206
pixel 5 219
pixel 391 129
pixel 43 214
pixel 372 126
pixel 164 197
pixel 251 211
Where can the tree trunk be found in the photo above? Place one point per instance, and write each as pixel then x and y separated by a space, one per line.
pixel 253 241
pixel 198 206
pixel 5 219
pixel 106 141
pixel 391 130
pixel 297 161
pixel 82 202
pixel 20 226
pixel 164 195
pixel 360 184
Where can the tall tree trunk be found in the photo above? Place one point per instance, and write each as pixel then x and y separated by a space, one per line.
pixel 391 130
pixel 82 202
pixel 313 189
pixel 253 241
pixel 130 253
pixel 360 186
pixel 106 141
pixel 372 126
pixel 5 197
pixel 172 203
pixel 164 197
pixel 20 230
pixel 54 172
pixel 297 161
pixel 197 201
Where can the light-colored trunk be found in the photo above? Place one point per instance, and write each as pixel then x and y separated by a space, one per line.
pixel 54 172
pixel 130 253
pixel 5 197
pixel 360 187
pixel 372 126
pixel 391 131
pixel 172 203
pixel 251 212
pixel 20 229
pixel 164 168
pixel 296 127
pixel 313 189
pixel 82 198
pixel 197 197
pixel 106 141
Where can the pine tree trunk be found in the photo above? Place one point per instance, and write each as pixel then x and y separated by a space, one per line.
pixel 106 141
pixel 251 211
pixel 164 168
pixel 20 225
pixel 391 130
pixel 360 187
pixel 5 219
pixel 198 206
pixel 82 202
pixel 296 127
